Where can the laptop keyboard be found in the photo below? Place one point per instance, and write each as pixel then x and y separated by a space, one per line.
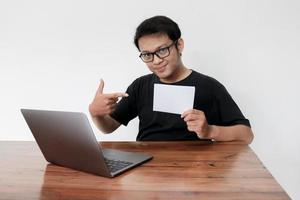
pixel 116 165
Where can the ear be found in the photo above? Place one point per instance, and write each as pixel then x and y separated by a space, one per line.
pixel 180 45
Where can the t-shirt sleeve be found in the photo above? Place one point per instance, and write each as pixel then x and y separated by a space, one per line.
pixel 228 111
pixel 126 109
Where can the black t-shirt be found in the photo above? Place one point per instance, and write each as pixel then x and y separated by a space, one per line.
pixel 211 97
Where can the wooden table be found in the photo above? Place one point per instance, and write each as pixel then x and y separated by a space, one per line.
pixel 179 170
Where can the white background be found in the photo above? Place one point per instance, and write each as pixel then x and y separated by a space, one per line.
pixel 53 53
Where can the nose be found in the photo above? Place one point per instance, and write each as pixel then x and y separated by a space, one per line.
pixel 156 59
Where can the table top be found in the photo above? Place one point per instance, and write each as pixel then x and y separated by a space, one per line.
pixel 178 170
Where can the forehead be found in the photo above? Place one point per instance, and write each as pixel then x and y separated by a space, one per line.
pixel 153 42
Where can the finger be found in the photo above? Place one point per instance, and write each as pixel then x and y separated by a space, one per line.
pixel 109 102
pixel 101 86
pixel 192 117
pixel 192 111
pixel 113 107
pixel 108 108
pixel 198 130
pixel 192 123
pixel 188 117
pixel 185 113
pixel 117 95
pixel 112 101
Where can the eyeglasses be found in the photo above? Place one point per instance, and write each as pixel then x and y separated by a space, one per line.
pixel 161 53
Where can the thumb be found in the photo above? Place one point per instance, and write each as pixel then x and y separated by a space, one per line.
pixel 101 86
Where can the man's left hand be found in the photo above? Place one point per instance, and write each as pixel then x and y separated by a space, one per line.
pixel 196 122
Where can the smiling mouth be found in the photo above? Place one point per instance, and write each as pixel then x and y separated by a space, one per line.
pixel 161 69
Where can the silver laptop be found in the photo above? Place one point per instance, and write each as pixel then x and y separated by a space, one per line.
pixel 67 139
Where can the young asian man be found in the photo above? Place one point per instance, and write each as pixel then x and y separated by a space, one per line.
pixel 215 115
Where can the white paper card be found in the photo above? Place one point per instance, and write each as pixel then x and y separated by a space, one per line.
pixel 173 98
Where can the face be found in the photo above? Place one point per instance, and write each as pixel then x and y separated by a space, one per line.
pixel 167 69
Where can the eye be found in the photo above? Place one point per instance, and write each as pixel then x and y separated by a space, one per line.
pixel 163 51
pixel 146 56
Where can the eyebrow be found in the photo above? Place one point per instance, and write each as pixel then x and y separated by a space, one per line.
pixel 157 48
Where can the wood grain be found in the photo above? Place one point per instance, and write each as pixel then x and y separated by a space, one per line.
pixel 179 170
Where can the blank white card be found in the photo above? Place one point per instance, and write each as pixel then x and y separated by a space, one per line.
pixel 173 98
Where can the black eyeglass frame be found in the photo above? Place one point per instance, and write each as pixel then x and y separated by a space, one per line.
pixel 155 52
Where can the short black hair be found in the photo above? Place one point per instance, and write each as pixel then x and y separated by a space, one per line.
pixel 157 24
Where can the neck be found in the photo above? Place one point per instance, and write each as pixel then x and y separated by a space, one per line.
pixel 179 74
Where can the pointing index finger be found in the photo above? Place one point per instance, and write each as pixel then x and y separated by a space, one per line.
pixel 117 95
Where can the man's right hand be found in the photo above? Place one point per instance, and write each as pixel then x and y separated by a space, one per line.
pixel 104 104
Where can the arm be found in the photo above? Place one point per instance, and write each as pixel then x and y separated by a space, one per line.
pixel 101 108
pixel 196 122
pixel 231 133
pixel 106 124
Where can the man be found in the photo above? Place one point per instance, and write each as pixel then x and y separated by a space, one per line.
pixel 215 115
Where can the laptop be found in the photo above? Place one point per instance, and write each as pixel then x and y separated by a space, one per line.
pixel 67 139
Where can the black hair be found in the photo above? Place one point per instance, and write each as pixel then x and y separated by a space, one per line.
pixel 157 24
